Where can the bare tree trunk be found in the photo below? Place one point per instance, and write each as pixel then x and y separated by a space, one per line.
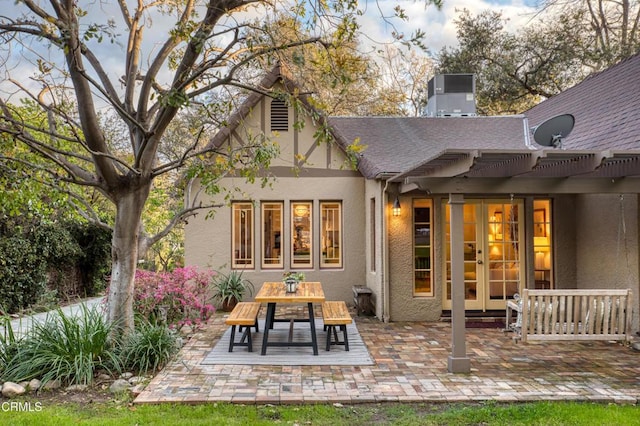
pixel 124 250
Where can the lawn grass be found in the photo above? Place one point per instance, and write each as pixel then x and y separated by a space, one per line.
pixel 539 413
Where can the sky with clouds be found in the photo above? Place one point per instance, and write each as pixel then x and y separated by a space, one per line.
pixel 438 25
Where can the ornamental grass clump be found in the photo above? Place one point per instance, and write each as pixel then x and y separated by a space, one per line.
pixel 9 342
pixel 69 348
pixel 177 298
pixel 148 348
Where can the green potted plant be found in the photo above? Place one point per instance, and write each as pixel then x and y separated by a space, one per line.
pixel 229 289
pixel 291 280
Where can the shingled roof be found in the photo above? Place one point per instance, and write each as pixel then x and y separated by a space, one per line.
pixel 399 144
pixel 605 107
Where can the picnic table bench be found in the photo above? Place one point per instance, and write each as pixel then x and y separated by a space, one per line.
pixel 243 315
pixel 335 314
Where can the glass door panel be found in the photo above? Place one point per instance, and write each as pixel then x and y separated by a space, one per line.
pixel 504 266
pixel 492 255
pixel 472 266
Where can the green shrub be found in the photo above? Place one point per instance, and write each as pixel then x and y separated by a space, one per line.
pixel 23 272
pixel 148 348
pixel 56 244
pixel 67 348
pixel 74 257
pixel 95 260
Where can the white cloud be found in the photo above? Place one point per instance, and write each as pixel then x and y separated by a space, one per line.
pixel 438 25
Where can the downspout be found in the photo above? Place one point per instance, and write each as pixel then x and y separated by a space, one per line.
pixel 385 248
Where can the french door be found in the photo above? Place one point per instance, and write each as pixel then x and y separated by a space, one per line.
pixel 493 258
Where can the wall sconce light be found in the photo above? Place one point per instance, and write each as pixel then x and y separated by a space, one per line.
pixel 396 207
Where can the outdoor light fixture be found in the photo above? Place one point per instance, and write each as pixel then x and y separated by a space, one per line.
pixel 396 207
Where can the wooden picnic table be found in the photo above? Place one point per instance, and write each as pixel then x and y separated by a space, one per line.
pixel 273 293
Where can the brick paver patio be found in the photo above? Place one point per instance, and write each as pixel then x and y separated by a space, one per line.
pixel 410 366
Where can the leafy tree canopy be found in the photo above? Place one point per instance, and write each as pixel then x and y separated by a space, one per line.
pixel 563 43
pixel 115 78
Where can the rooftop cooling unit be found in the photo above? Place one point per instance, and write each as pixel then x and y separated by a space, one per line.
pixel 451 95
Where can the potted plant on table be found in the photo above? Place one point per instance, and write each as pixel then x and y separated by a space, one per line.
pixel 229 289
pixel 291 280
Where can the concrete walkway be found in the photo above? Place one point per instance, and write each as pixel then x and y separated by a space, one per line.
pixel 21 325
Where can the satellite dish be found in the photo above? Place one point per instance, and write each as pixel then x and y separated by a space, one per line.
pixel 552 131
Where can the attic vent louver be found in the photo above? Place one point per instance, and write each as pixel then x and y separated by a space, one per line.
pixel 279 115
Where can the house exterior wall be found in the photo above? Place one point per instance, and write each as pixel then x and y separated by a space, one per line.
pixel 404 306
pixel 322 178
pixel 607 244
pixel 208 241
pixel 564 241
pixel 376 211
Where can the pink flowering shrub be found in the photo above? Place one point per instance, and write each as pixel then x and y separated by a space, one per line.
pixel 180 297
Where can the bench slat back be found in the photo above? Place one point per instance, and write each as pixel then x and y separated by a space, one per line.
pixel 576 315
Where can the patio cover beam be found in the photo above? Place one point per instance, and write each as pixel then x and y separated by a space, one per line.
pixel 523 185
pixel 546 164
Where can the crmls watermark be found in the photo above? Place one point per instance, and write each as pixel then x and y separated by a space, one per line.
pixel 23 406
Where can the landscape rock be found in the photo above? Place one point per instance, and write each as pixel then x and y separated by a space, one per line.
pixel 52 385
pixel 120 385
pixel 10 389
pixel 103 376
pixel 34 385
pixel 126 376
pixel 137 389
pixel 136 380
pixel 77 388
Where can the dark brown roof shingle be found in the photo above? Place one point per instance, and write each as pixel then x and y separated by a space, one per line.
pixel 397 144
pixel 606 107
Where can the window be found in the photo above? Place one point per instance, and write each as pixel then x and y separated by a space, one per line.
pixel 302 235
pixel 330 234
pixel 242 235
pixel 272 235
pixel 422 247
pixel 542 246
pixel 372 230
pixel 279 115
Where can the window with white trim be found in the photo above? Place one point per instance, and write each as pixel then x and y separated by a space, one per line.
pixel 301 234
pixel 331 234
pixel 372 234
pixel 242 235
pixel 272 235
pixel 422 247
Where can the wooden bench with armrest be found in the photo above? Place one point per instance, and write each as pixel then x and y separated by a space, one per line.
pixel 244 315
pixel 590 314
pixel 336 314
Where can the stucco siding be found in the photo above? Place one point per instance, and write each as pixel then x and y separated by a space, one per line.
pixel 404 306
pixel 208 241
pixel 375 214
pixel 564 225
pixel 607 248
